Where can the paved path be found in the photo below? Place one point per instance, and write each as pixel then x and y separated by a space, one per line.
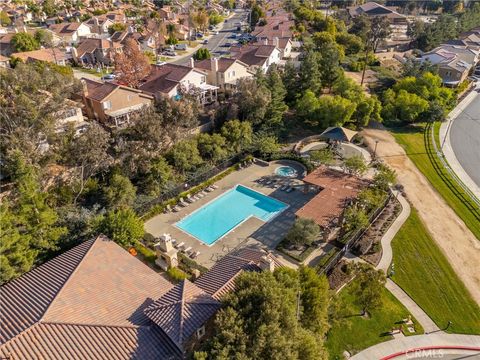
pixel 424 320
pixel 460 136
pixel 384 349
pixel 387 238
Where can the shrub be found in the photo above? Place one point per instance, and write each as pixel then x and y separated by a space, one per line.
pixel 176 275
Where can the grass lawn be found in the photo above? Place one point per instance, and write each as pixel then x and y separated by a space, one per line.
pixel 419 149
pixel 424 273
pixel 355 333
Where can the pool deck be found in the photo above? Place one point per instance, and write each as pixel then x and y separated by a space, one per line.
pixel 251 231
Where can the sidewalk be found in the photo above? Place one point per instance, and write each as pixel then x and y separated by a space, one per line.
pixel 424 320
pixel 387 238
pixel 447 146
pixel 440 339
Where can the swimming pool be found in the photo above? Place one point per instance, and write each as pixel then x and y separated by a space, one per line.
pixel 286 171
pixel 220 216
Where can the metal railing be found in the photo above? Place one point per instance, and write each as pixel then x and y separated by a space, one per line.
pixel 441 157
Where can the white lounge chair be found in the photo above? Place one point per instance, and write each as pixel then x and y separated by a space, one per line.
pixel 200 195
pixel 208 189
pixel 179 246
pixel 190 199
pixel 186 250
pixel 183 202
pixel 177 208
pixel 215 186
pixel 195 254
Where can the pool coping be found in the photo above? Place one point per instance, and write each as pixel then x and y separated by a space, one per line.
pixel 236 226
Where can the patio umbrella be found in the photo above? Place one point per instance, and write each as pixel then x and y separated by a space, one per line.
pixel 338 133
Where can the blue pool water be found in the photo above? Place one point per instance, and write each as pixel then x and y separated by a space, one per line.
pixel 286 171
pixel 217 218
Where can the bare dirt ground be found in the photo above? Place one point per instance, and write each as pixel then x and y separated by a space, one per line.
pixel 456 241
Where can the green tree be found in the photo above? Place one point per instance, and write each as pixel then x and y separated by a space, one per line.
pixel 309 74
pixel 158 177
pixel 277 107
pixel 355 165
pixel 185 156
pixel 4 19
pixel 255 14
pixel 44 37
pixel 355 218
pixel 202 54
pixel 315 297
pixel 290 81
pixel 212 147
pixel 326 110
pixel 49 8
pixel 303 232
pixel 352 44
pixel 251 101
pixel 215 18
pixel 122 226
pixel 385 177
pixel 24 42
pixel 266 145
pixel 116 27
pixel 322 156
pixel 403 107
pixel 16 254
pixel 368 287
pixel 238 134
pixel 371 199
pixel 330 57
pixel 120 192
pixel 259 321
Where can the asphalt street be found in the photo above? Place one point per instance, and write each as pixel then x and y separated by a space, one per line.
pixel 215 42
pixel 465 139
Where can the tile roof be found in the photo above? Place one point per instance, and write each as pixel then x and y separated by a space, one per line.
pixel 73 341
pixel 181 311
pixel 90 45
pixel 65 28
pixel 223 64
pixel 83 304
pixel 25 300
pixel 220 279
pixel 253 55
pixel 99 90
pixel 49 55
pixel 164 78
pixel 337 188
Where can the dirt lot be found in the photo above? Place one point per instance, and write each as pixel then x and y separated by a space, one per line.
pixel 457 242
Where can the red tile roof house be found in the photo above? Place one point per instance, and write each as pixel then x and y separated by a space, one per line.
pixel 96 301
pixel 168 79
pixel 112 104
pixel 96 51
pixel 53 55
pixel 336 191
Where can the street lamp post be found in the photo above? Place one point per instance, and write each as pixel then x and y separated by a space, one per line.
pixel 375 150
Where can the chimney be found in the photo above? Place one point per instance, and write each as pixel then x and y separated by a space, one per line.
pixel 265 41
pixel 84 87
pixel 165 243
pixel 266 263
pixel 214 64
pixel 275 41
pixel 192 62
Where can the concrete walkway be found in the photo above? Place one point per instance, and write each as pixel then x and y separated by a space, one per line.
pixel 387 238
pixel 447 145
pixel 424 320
pixel 405 344
pixel 387 255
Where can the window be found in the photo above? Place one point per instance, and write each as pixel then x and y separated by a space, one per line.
pixel 204 79
pixel 200 332
pixel 107 105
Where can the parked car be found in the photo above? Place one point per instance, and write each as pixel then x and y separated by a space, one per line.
pixel 227 44
pixel 216 32
pixel 199 35
pixel 205 42
pixel 169 52
pixel 109 77
pixel 181 47
pixel 160 63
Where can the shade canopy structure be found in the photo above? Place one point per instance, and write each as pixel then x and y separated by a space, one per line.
pixel 338 133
